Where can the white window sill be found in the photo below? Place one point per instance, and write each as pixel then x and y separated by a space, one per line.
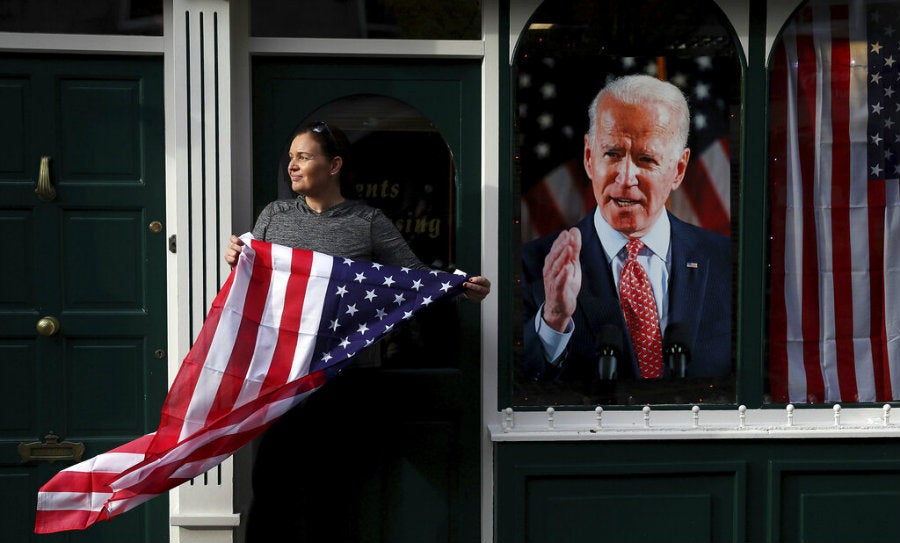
pixel 209 521
pixel 696 423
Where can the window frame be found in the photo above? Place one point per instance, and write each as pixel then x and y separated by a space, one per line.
pixel 758 26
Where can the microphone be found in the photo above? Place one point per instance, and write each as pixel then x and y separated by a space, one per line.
pixel 676 349
pixel 609 347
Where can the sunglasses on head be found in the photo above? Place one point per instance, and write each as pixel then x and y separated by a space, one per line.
pixel 321 127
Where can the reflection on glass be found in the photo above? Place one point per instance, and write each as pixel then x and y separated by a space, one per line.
pixel 143 17
pixel 834 163
pixel 401 19
pixel 568 52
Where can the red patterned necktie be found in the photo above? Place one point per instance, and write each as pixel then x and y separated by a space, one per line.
pixel 639 309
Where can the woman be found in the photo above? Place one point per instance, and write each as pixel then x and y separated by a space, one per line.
pixel 321 219
pixel 291 499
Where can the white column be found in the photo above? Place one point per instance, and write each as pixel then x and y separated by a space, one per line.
pixel 198 193
pixel 492 66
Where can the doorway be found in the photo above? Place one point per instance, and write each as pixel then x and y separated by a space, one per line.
pixel 82 279
pixel 407 463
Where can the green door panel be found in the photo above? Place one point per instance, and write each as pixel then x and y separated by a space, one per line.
pixel 681 506
pixel 87 258
pixel 19 373
pixel 113 153
pixel 95 279
pixel 836 502
pixel 15 112
pixel 767 490
pixel 17 226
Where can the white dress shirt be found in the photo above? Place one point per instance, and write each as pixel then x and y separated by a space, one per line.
pixel 655 257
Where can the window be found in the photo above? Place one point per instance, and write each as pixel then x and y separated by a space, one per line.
pixel 834 321
pixel 143 17
pixel 400 19
pixel 568 52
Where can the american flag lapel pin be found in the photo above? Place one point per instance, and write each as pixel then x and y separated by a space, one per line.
pixel 692 265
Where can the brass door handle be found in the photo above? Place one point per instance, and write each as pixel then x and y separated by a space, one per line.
pixel 47 326
pixel 45 190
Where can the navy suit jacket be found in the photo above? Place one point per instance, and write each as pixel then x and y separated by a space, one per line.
pixel 699 298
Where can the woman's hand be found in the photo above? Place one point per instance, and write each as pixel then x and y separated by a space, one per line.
pixel 477 288
pixel 233 251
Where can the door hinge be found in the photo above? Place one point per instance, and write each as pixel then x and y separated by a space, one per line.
pixel 172 243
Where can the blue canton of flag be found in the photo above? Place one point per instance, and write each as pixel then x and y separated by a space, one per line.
pixel 367 300
pixel 883 86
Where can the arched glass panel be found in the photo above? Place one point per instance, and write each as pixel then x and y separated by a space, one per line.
pixel 567 53
pixel 834 282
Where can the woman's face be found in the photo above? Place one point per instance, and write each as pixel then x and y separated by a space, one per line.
pixel 311 172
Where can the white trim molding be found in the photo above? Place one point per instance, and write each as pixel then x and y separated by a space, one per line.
pixel 205 522
pixel 491 67
pixel 328 47
pixel 23 42
pixel 695 423
pixel 199 207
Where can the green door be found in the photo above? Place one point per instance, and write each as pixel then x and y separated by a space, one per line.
pixel 399 445
pixel 85 258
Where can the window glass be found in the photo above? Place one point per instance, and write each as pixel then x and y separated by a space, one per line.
pixel 834 282
pixel 403 19
pixel 566 54
pixel 143 17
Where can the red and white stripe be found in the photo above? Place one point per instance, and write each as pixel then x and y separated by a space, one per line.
pixel 834 334
pixel 76 497
pixel 704 197
pixel 248 366
pixel 558 201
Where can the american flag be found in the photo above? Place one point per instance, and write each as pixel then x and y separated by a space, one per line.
pixel 834 328
pixel 285 321
pixel 553 94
